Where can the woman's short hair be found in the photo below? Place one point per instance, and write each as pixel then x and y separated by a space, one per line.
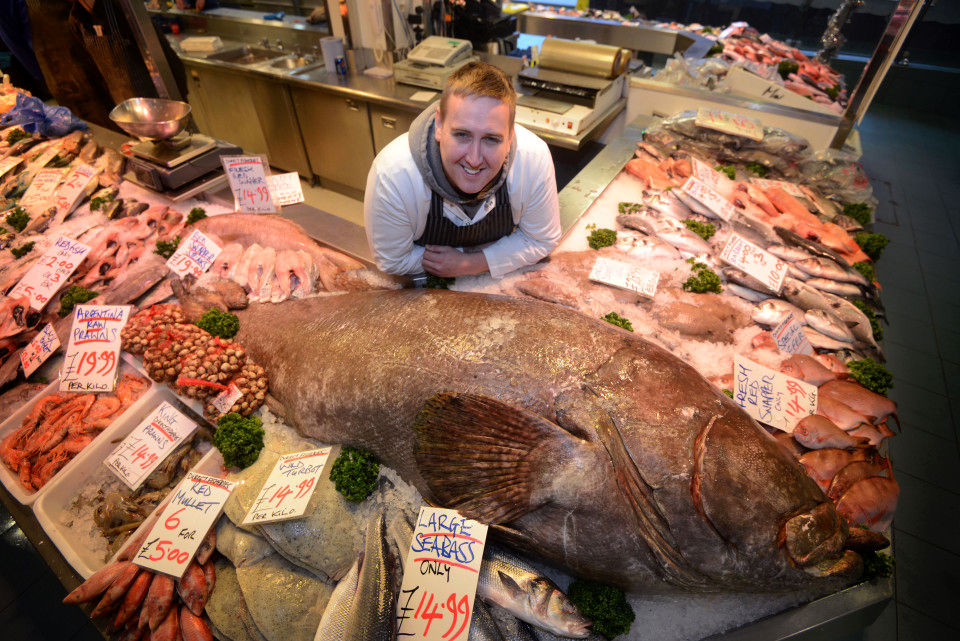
pixel 479 79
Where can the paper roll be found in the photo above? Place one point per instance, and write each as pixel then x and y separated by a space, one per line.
pixel 332 48
pixel 585 58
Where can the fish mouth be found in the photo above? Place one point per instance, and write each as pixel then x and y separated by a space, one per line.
pixel 813 537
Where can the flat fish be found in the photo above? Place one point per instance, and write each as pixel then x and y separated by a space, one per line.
pixel 227 609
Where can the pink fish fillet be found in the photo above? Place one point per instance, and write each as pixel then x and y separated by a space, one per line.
pixel 226 260
pixel 305 272
pixel 240 272
pixel 261 272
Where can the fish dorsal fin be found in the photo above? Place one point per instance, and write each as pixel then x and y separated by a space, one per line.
pixel 474 452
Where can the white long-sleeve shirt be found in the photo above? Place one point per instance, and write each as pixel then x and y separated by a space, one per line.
pixel 397 202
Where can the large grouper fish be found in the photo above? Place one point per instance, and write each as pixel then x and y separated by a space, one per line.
pixel 577 440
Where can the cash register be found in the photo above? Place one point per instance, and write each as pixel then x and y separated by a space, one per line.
pixel 431 62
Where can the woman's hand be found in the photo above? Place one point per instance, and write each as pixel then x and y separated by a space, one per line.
pixel 448 262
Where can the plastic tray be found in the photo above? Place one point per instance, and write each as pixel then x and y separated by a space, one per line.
pixel 62 492
pixel 11 480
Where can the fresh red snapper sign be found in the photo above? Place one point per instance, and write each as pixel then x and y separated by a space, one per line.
pixel 288 489
pixel 51 272
pixel 759 263
pixel 771 397
pixel 440 577
pixel 90 364
pixel 249 184
pixel 173 541
pixel 149 444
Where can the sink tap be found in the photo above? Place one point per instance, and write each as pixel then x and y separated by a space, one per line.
pixel 279 44
pixel 264 43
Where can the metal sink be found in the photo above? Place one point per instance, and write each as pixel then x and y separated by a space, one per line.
pixel 245 55
pixel 294 62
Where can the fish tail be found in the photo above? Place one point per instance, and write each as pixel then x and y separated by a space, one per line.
pixel 474 452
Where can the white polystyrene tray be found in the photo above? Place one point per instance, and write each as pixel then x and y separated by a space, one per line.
pixel 61 493
pixel 12 481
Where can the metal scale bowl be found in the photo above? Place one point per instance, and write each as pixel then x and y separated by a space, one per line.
pixel 168 159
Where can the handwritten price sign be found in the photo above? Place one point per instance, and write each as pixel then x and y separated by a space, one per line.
pixel 146 447
pixel 759 263
pixel 92 351
pixel 40 192
pixel 249 184
pixel 625 276
pixel 706 174
pixel 194 256
pixel 51 272
pixel 197 502
pixel 718 204
pixel 729 123
pixel 285 189
pixel 39 349
pixel 74 184
pixel 440 580
pixel 770 397
pixel 289 487
pixel 790 337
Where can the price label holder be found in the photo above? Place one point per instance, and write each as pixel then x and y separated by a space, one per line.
pixel 771 397
pixel 149 444
pixel 39 194
pixel 74 184
pixel 39 350
pixel 719 205
pixel 285 189
pixel 625 276
pixel 225 399
pixel 759 263
pixel 440 580
pixel 788 187
pixel 194 256
pixel 790 337
pixel 248 181
pixel 51 272
pixel 289 487
pixel 172 542
pixel 729 123
pixel 90 364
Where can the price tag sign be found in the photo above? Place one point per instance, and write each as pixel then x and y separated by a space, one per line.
pixel 790 337
pixel 788 187
pixel 39 194
pixel 771 397
pixel 225 399
pixel 38 350
pixel 625 276
pixel 756 262
pixel 249 184
pixel 729 123
pixel 705 173
pixel 146 447
pixel 9 163
pixel 94 346
pixel 289 487
pixel 194 256
pixel 706 195
pixel 74 184
pixel 197 502
pixel 440 580
pixel 285 189
pixel 51 272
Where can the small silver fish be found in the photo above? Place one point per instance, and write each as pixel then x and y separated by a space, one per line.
pixel 530 596
pixel 742 278
pixel 746 293
pixel 694 205
pixel 335 616
pixel 855 319
pixel 372 611
pixel 771 312
pixel 829 324
pixel 835 287
pixel 789 254
pixel 826 268
pixel 803 295
pixel 824 342
pixel 482 625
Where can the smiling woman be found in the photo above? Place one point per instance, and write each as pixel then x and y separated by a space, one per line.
pixel 466 190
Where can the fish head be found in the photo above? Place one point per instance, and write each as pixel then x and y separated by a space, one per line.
pixel 552 608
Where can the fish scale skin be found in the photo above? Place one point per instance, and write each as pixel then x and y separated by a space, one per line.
pixel 357 368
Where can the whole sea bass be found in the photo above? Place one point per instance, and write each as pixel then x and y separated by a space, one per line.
pixel 579 441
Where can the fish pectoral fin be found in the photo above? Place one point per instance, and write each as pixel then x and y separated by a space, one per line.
pixel 512 587
pixel 484 457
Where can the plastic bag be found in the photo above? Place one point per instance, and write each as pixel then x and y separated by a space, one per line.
pixel 36 117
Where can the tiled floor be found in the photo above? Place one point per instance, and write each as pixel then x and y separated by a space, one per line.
pixel 914 162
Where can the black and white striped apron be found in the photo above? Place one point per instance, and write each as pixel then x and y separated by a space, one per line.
pixel 440 230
